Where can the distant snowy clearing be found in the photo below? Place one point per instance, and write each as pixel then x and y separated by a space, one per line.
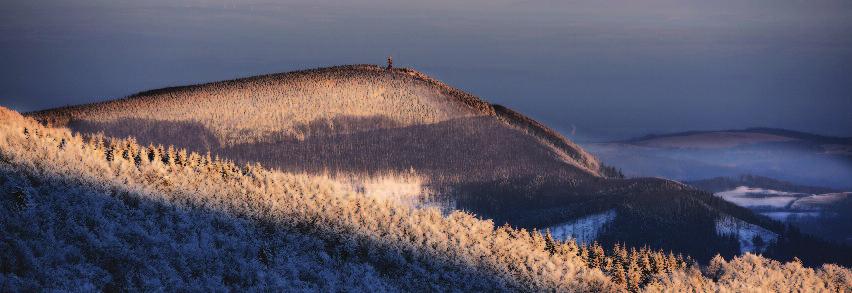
pixel 585 229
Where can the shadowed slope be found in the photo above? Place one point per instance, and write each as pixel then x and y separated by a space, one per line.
pixel 469 149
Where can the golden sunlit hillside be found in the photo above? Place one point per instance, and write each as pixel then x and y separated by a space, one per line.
pixel 357 118
pixel 102 203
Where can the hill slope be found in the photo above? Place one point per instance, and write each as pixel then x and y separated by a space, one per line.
pixel 358 118
pixel 362 119
pixel 112 215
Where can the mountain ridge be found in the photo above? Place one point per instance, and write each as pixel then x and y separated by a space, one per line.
pixel 723 183
pixel 765 130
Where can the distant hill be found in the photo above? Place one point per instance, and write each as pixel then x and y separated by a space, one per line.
pixel 741 136
pixel 487 159
pixel 719 184
pixel 798 157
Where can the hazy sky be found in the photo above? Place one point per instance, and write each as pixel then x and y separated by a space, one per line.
pixel 606 69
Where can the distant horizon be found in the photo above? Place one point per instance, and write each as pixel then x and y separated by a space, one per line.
pixel 593 70
pixel 756 128
pixel 578 139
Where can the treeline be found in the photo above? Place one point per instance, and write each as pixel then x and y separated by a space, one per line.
pixel 811 250
pixel 629 268
pixel 611 172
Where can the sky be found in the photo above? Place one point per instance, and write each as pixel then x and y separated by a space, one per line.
pixel 595 70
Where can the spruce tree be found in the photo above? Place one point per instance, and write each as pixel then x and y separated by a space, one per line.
pixel 619 276
pixel 634 276
pixel 549 243
pixel 109 151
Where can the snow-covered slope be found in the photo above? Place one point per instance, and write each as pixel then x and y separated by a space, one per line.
pixel 818 202
pixel 758 197
pixel 583 230
pixel 825 215
pixel 747 234
pixel 95 215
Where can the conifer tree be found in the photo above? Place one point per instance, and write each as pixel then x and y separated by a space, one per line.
pixel 137 158
pixel 658 263
pixel 671 263
pixel 549 243
pixel 153 154
pixel 169 158
pixel 681 262
pixel 619 276
pixel 607 265
pixel 182 158
pixel 716 267
pixel 568 247
pixel 109 151
pixel 634 276
pixel 596 255
pixel 125 152
pixel 194 160
pixel 584 253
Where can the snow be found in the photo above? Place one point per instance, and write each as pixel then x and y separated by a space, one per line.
pixel 784 216
pixel 745 233
pixel 585 229
pixel 758 197
pixel 818 201
pixel 782 204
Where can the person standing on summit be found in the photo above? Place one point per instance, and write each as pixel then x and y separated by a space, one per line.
pixel 390 62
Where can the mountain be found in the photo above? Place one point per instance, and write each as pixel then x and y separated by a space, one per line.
pixel 823 212
pixel 803 158
pixel 720 184
pixel 106 214
pixel 731 138
pixel 358 118
pixel 363 120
